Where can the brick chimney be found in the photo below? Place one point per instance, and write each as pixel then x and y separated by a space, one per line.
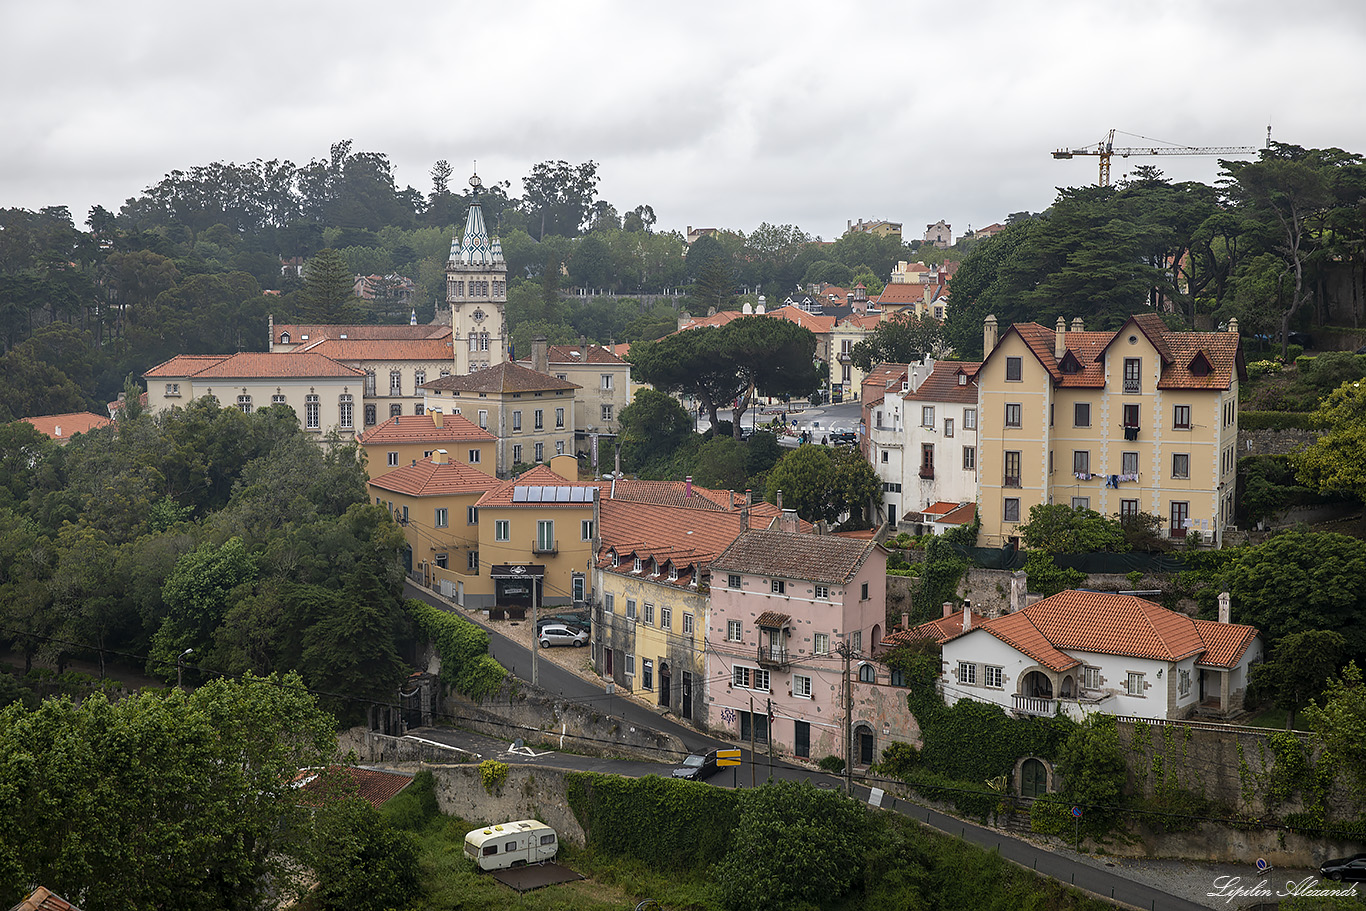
pixel 1060 338
pixel 948 608
pixel 687 487
pixel 1224 600
pixel 440 457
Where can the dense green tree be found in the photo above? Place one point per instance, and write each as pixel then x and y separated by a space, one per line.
pixel 329 290
pixel 902 339
pixel 1341 722
pixel 855 488
pixel 1299 670
pixel 361 862
pixel 1335 462
pixel 652 427
pixel 805 477
pixel 590 265
pixel 160 800
pixel 558 197
pixel 786 827
pixel 720 463
pixel 1093 769
pixel 1061 529
pixel 1300 581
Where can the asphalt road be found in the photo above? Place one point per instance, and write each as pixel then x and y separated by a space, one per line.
pixel 1057 864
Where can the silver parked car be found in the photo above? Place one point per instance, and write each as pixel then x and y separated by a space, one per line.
pixel 559 634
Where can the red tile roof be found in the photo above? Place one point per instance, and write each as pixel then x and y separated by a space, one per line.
pixel 375 786
pixel 504 377
pixel 421 428
pixel 359 349
pixel 1110 624
pixel 573 354
pixel 817 558
pixel 939 630
pixel 428 479
pixel 940 508
pixel 817 324
pixel 1178 350
pixel 942 384
pixel 61 427
pixel 44 899
pixel 901 294
pixel 963 515
pixel 253 365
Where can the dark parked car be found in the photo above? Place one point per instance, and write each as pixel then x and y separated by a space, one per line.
pixel 573 621
pixel 844 438
pixel 1344 869
pixel 697 766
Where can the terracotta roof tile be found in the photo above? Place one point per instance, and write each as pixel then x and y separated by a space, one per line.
pixel 356 349
pixel 61 427
pixel 963 515
pixel 817 558
pixel 1220 349
pixel 771 619
pixel 901 294
pixel 504 377
pixel 428 479
pixel 573 354
pixel 254 365
pixel 44 899
pixel 376 786
pixel 1110 624
pixel 940 630
pixel 1225 643
pixel 421 428
pixel 942 384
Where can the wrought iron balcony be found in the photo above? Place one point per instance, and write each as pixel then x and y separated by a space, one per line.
pixel 773 656
pixel 545 547
pixel 1133 387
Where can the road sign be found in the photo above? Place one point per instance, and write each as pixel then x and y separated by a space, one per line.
pixel 1076 811
pixel 727 757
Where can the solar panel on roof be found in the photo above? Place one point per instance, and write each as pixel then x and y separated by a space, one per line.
pixel 519 494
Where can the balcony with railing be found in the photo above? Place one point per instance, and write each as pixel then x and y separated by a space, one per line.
pixel 1011 480
pixel 1133 386
pixel 927 472
pixel 543 546
pixel 773 655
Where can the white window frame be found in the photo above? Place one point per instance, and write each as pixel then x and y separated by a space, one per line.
pixel 1090 678
pixel 687 625
pixel 666 617
pixel 778 586
pixel 822 592
pixel 820 644
pixel 734 631
pixel 801 686
pixel 442 518
pixel 992 676
pixel 502 529
pixel 967 673
pixel 1134 684
pixel 969 418
pixel 631 609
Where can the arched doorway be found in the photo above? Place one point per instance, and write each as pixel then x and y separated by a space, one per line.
pixel 1067 687
pixel 1036 685
pixel 1033 778
pixel 863 745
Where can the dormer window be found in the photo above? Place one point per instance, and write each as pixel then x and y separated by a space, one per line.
pixel 613 559
pixel 284 338
pixel 1070 364
pixel 654 567
pixel 638 566
pixel 1200 365
pixel 673 573
pixel 962 379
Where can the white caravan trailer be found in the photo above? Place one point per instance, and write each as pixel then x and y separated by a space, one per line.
pixel 511 844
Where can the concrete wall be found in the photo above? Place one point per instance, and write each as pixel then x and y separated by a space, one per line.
pixel 540 718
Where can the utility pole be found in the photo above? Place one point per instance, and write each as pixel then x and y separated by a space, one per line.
pixel 751 742
pixel 180 668
pixel 535 629
pixel 847 653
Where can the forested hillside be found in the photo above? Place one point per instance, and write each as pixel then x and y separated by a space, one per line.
pixel 196 262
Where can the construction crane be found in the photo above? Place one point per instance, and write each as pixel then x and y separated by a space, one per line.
pixel 1106 148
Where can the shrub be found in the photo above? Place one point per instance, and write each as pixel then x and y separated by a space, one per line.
pixel 466 665
pixel 493 774
pixel 832 764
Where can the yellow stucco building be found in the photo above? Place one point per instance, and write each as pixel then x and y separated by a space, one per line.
pixel 1142 419
pixel 406 440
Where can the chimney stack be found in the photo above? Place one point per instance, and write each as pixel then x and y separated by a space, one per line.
pixel 967 616
pixel 905 620
pixel 988 335
pixel 1224 607
pixel 1078 324
pixel 440 457
pixel 779 502
pixel 948 608
pixel 687 486
pixel 1060 338
pixel 1233 325
pixel 540 357
pixel 1019 586
pixel 437 419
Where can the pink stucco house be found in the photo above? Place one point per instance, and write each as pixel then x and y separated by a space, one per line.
pixel 781 604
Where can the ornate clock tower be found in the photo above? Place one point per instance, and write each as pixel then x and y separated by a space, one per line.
pixel 477 290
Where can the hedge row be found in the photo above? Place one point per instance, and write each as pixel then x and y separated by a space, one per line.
pixel 1275 420
pixel 463 647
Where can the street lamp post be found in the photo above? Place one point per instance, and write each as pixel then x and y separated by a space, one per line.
pixel 180 668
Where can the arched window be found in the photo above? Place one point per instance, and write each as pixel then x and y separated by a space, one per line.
pixel 867 674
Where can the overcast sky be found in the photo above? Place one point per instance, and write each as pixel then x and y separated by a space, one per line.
pixel 724 114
